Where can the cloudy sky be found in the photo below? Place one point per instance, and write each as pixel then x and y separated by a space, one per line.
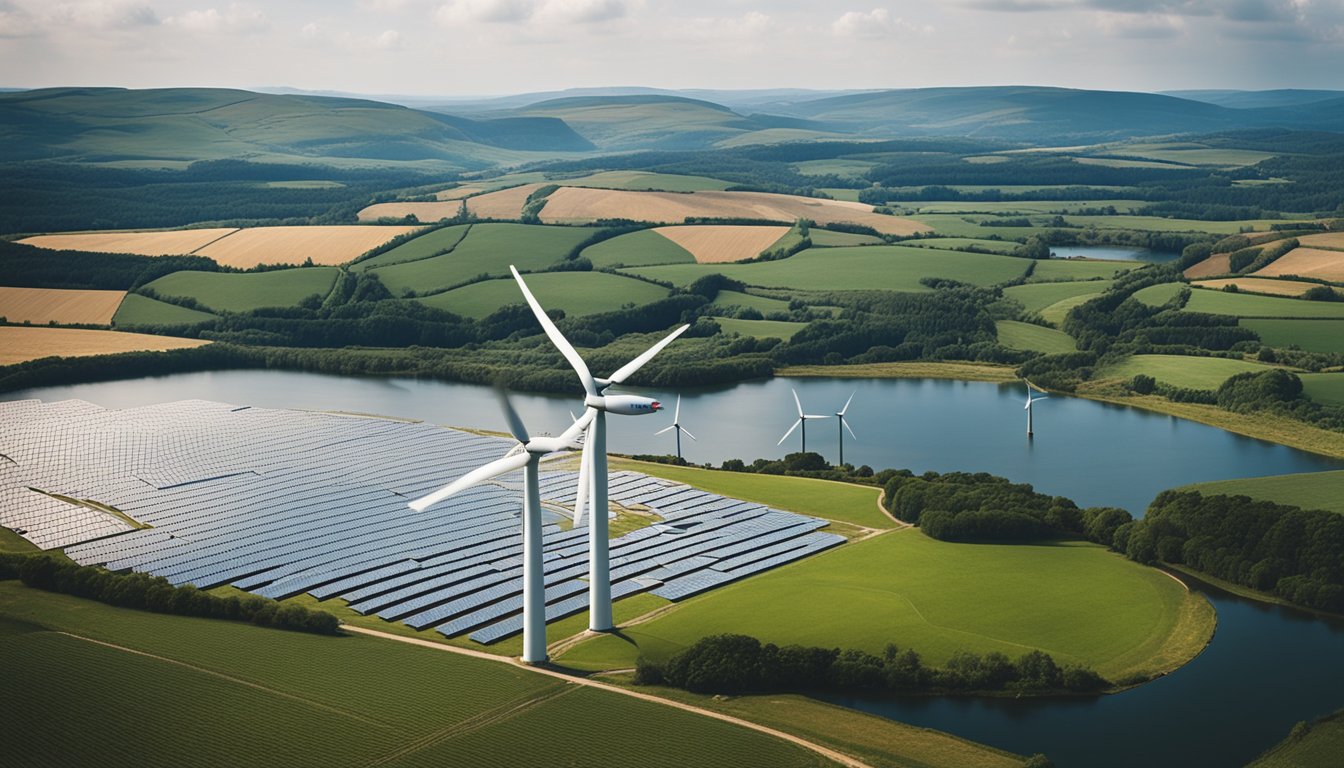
pixel 477 47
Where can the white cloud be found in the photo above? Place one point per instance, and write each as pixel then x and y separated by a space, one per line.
pixel 1151 25
pixel 875 23
pixel 490 11
pixel 580 11
pixel 236 19
pixel 310 31
pixel 389 40
pixel 16 22
pixel 104 14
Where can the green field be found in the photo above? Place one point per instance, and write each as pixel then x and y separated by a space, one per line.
pixel 1325 388
pixel 763 304
pixel 429 244
pixel 836 166
pixel 1246 305
pixel 1022 207
pixel 142 310
pixel 577 293
pixel 246 291
pixel 1077 269
pixel 488 249
pixel 183 691
pixel 1181 371
pixel 1034 338
pixel 1037 296
pixel 1318 745
pixel 825 238
pixel 302 184
pixel 1311 335
pixel 888 268
pixel 1056 312
pixel 1076 601
pixel 637 249
pixel 954 243
pixel 964 225
pixel 1310 490
pixel 1157 295
pixel 644 181
pixel 1159 224
pixel 761 329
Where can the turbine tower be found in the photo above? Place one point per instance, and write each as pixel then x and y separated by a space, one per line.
pixel 526 456
pixel 840 417
pixel 801 422
pixel 1031 400
pixel 593 464
pixel 676 424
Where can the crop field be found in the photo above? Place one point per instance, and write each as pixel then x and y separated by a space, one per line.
pixel 1181 371
pixel 329 245
pixel 954 243
pixel 1246 305
pixel 886 268
pixel 644 181
pixel 1018 335
pixel 761 329
pixel 1055 313
pixel 718 244
pixel 1078 269
pixel 429 244
pixel 1160 224
pixel 572 204
pixel 1217 264
pixel 301 699
pixel 21 343
pixel 763 304
pixel 457 193
pixel 1077 601
pixel 637 249
pixel 1194 154
pixel 1290 288
pixel 1325 388
pixel 426 213
pixel 1037 296
pixel 488 249
pixel 137 310
pixel 825 238
pixel 40 306
pixel 166 243
pixel 246 291
pixel 1157 295
pixel 1310 490
pixel 577 293
pixel 1021 207
pixel 1319 746
pixel 968 226
pixel 1311 335
pixel 1307 262
pixel 502 204
pixel 1323 240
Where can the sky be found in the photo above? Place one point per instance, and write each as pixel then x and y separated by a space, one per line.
pixel 496 47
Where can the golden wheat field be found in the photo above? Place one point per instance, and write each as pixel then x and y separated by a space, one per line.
pixel 1217 264
pixel 171 243
pixel 1307 262
pixel 718 244
pixel 1261 285
pixel 425 212
pixel 40 306
pixel 1323 240
pixel 20 343
pixel 328 245
pixel 504 204
pixel 457 193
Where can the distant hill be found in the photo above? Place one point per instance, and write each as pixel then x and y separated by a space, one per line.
pixel 1286 97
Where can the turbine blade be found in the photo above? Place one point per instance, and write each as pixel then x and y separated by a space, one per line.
pixel 847 402
pixel 570 437
pixel 516 427
pixel 1043 397
pixel 480 474
pixel 851 431
pixel 686 432
pixel 790 432
pixel 797 402
pixel 665 429
pixel 676 415
pixel 585 469
pixel 557 338
pixel 629 368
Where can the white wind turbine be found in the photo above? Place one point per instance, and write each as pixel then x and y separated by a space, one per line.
pixel 593 464
pixel 526 456
pixel 840 417
pixel 801 422
pixel 676 424
pixel 1031 400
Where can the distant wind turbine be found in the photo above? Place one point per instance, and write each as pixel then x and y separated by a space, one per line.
pixel 801 422
pixel 676 424
pixel 1031 400
pixel 840 417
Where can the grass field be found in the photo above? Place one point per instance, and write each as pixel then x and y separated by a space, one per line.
pixel 1318 745
pixel 246 291
pixel 637 249
pixel 1018 335
pixel 577 293
pixel 40 306
pixel 1181 371
pixel 199 685
pixel 889 268
pixel 824 238
pixel 1311 490
pixel 763 304
pixel 1037 296
pixel 143 243
pixel 1290 288
pixel 1307 262
pixel 914 370
pixel 20 343
pixel 1021 207
pixel 488 249
pixel 1311 335
pixel 429 244
pixel 968 226
pixel 329 245
pixel 1076 601
pixel 761 329
pixel 718 244
pixel 1160 224
pixel 1056 312
pixel 1246 305
pixel 1324 387
pixel 836 166
pixel 953 243
pixel 142 310
pixel 1078 269
pixel 1157 295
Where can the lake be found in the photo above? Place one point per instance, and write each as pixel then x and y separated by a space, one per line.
pixel 1115 252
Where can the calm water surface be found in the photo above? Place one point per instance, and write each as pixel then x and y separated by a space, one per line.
pixel 1117 252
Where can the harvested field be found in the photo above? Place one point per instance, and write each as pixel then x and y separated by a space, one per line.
pixel 716 245
pixel 171 243
pixel 329 245
pixel 40 306
pixel 424 212
pixel 1292 288
pixel 1218 264
pixel 571 204
pixel 1307 262
pixel 1323 240
pixel 21 343
pixel 504 204
pixel 457 193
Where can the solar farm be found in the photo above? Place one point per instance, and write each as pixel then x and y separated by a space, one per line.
pixel 281 503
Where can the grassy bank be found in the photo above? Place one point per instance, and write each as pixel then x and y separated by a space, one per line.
pixel 1310 745
pixel 910 370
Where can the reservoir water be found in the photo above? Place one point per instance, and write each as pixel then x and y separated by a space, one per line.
pixel 1116 252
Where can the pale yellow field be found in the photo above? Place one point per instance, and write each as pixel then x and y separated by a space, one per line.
pixel 504 204
pixel 40 306
pixel 457 193
pixel 575 204
pixel 1260 285
pixel 424 212
pixel 329 245
pixel 1323 240
pixel 172 243
pixel 20 343
pixel 715 245
pixel 1308 262
pixel 1214 265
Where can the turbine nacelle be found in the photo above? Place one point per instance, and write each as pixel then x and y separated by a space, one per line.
pixel 623 405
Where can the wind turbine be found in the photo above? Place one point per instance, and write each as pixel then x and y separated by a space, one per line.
pixel 1031 400
pixel 802 421
pixel 840 417
pixel 593 463
pixel 676 424
pixel 526 456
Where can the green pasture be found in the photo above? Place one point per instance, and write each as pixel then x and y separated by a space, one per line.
pixel 1055 313
pixel 761 329
pixel 637 249
pixel 955 243
pixel 1160 224
pixel 142 310
pixel 763 304
pixel 1310 490
pixel 841 193
pixel 246 291
pixel 836 166
pixel 825 238
pixel 889 268
pixel 1248 305
pixel 1078 269
pixel 1180 370
pixel 429 244
pixel 1076 601
pixel 488 249
pixel 1311 335
pixel 1325 388
pixel 1037 296
pixel 1319 745
pixel 577 293
pixel 968 225
pixel 1157 295
pixel 1018 335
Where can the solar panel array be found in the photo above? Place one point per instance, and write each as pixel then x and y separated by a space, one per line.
pixel 281 503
